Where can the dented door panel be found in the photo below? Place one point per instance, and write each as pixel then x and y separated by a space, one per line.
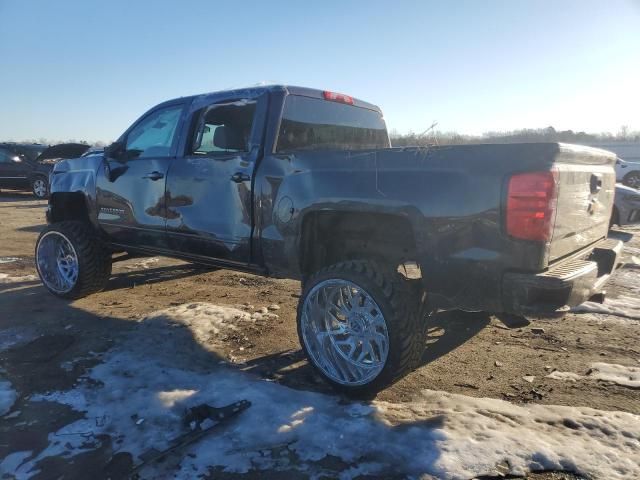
pixel 207 212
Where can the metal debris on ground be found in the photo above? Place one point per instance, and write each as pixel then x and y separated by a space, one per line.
pixel 200 420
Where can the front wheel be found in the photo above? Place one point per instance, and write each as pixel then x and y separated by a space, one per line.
pixel 632 179
pixel 40 187
pixel 360 326
pixel 70 260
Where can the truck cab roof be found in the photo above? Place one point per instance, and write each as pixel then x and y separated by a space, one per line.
pixel 286 89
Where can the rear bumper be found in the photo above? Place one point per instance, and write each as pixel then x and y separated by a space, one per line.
pixel 564 285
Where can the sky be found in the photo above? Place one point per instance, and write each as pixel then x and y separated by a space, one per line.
pixel 82 69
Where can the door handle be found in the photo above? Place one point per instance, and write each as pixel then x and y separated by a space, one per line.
pixel 240 177
pixel 154 176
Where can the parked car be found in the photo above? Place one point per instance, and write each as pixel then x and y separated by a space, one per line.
pixel 628 173
pixel 626 208
pixel 301 183
pixel 27 166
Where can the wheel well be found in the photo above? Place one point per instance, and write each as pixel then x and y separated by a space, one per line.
pixel 68 206
pixel 332 237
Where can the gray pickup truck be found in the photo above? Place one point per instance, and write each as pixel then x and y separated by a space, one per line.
pixel 304 184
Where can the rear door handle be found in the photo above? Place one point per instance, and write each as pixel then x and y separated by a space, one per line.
pixel 154 176
pixel 240 177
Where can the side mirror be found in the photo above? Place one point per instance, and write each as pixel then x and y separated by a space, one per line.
pixel 115 150
pixel 17 159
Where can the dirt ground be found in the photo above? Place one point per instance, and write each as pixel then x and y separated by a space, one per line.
pixel 474 354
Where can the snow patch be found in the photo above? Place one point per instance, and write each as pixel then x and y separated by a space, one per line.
pixel 8 259
pixel 8 396
pixel 12 461
pixel 13 336
pixel 145 264
pixel 155 373
pixel 607 372
pixel 205 321
pixel 6 278
pixel 622 306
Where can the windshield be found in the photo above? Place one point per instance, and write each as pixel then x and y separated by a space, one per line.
pixel 316 124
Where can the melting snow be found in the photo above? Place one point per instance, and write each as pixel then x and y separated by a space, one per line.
pixel 6 278
pixel 622 306
pixel 13 336
pixel 8 396
pixel 12 461
pixel 159 369
pixel 144 264
pixel 8 259
pixel 626 376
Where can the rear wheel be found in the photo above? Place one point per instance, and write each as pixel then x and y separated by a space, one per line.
pixel 70 260
pixel 40 187
pixel 360 326
pixel 632 179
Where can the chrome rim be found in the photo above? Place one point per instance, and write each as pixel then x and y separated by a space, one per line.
pixel 344 332
pixel 57 262
pixel 40 188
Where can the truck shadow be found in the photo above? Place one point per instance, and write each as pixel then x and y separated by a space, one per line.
pixel 448 330
pixel 67 342
pixel 132 278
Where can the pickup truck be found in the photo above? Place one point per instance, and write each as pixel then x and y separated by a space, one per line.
pixel 298 183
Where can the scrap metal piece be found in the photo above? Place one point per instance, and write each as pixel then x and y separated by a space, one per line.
pixel 200 419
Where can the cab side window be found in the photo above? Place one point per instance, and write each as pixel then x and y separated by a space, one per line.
pixel 154 135
pixel 224 128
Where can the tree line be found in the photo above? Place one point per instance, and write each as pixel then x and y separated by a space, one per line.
pixel 526 135
pixel 431 137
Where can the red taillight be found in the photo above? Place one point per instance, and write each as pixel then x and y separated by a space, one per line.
pixel 337 97
pixel 531 205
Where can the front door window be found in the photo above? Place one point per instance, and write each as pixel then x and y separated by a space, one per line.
pixel 154 136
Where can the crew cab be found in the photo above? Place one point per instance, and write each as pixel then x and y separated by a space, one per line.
pixel 304 184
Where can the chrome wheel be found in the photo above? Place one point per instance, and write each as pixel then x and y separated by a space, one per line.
pixel 40 188
pixel 344 332
pixel 57 262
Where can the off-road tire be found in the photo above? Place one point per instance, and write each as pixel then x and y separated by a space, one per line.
pixel 94 259
pixel 404 308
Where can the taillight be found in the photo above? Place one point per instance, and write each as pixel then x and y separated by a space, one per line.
pixel 337 97
pixel 531 205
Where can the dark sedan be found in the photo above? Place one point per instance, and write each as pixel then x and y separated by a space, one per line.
pixel 27 166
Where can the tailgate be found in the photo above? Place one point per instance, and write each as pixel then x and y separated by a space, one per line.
pixel 586 189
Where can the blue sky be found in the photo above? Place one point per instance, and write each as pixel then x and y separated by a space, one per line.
pixel 86 69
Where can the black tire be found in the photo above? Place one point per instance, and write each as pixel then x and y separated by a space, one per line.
pixel 404 308
pixel 40 187
pixel 94 260
pixel 632 179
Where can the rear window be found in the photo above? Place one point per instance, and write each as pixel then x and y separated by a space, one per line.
pixel 317 124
